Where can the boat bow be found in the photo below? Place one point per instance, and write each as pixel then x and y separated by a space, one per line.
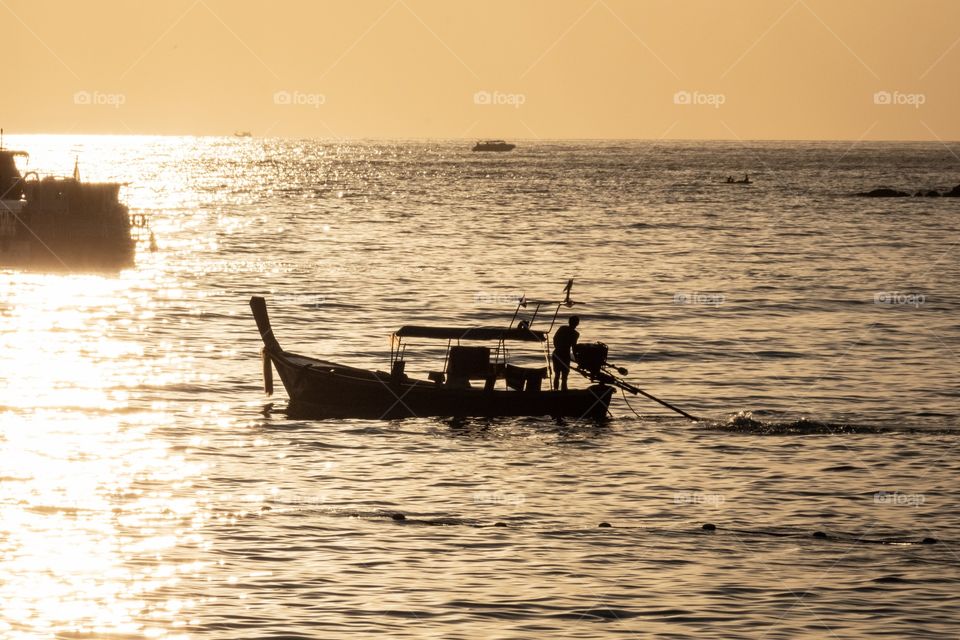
pixel 259 307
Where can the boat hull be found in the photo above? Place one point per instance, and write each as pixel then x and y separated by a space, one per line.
pixel 64 224
pixel 326 390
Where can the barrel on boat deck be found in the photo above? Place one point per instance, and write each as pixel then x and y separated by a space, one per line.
pixel 469 362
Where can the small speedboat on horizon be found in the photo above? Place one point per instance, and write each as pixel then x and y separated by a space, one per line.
pixel 493 145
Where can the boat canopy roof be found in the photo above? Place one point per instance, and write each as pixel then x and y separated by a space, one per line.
pixel 474 333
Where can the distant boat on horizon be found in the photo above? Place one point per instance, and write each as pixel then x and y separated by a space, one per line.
pixel 493 145
pixel 242 134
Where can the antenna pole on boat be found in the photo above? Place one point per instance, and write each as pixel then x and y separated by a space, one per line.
pixel 566 301
pixel 535 313
pixel 546 355
pixel 522 302
pixel 554 321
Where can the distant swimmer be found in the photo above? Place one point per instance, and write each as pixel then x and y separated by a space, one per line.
pixel 563 342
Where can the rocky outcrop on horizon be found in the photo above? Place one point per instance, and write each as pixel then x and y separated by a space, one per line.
pixel 887 192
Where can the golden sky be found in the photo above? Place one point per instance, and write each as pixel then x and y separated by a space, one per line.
pixel 728 69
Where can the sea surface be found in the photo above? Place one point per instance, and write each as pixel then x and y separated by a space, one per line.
pixel 150 489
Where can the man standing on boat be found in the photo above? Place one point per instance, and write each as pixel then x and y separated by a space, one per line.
pixel 563 342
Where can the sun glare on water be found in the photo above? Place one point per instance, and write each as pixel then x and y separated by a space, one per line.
pixel 94 503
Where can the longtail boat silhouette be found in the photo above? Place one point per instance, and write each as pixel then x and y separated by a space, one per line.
pixel 325 389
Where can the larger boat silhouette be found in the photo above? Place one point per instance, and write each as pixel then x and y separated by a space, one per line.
pixel 62 222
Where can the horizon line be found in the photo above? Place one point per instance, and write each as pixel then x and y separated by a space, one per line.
pixel 460 138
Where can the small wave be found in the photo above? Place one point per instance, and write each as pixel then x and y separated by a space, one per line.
pixel 842 467
pixel 661 225
pixel 779 355
pixel 596 613
pixel 395 517
pixel 85 410
pixel 891 580
pixel 745 422
pixel 69 510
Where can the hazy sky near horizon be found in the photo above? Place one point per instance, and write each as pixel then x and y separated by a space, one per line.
pixel 734 69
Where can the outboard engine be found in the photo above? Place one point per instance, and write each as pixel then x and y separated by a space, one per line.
pixel 591 357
